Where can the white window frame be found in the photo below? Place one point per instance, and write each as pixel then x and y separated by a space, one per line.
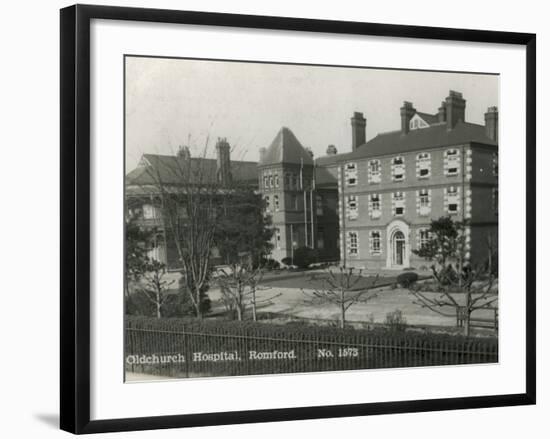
pixel 352 207
pixel 398 201
pixel 375 206
pixel 423 163
pixel 424 202
pixel 267 203
pixel 422 240
pixel 374 176
pixel 276 202
pixel 350 173
pixel 373 240
pixel 451 161
pixel 398 169
pixel 451 197
pixel 353 243
pixel 276 178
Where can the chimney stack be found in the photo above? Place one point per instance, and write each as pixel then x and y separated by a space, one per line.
pixel 358 130
pixel 331 150
pixel 223 170
pixel 184 152
pixel 407 112
pixel 491 123
pixel 442 112
pixel 455 109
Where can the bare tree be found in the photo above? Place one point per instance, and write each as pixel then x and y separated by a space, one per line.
pixel 239 284
pixel 455 288
pixel 342 289
pixel 154 286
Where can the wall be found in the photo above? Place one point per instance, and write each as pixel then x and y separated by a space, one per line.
pixel 30 387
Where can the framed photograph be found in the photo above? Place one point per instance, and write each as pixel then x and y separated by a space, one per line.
pixel 273 218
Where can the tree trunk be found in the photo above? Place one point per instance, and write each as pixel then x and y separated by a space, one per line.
pixel 239 312
pixel 158 305
pixel 254 304
pixel 342 310
pixel 198 303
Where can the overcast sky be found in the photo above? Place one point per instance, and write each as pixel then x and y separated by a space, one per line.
pixel 172 102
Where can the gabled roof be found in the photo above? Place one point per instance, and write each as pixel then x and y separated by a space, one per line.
pixel 430 119
pixel 286 148
pixel 175 170
pixel 395 142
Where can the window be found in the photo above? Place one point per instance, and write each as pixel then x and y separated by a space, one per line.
pixel 278 238
pixel 375 206
pixel 374 172
pixel 320 237
pixel 352 207
pixel 266 181
pixel 276 202
pixel 398 169
pixel 451 162
pixel 375 242
pixel 276 177
pixel 319 205
pixel 294 181
pixel 149 212
pixel 452 199
pixel 423 238
pixel 398 203
pixel 287 181
pixel 353 243
pixel 495 200
pixel 351 174
pixel 270 180
pixel 423 165
pixel 267 203
pixel 495 164
pixel 424 202
pixel 294 201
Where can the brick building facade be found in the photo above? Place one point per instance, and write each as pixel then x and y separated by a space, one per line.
pixel 372 206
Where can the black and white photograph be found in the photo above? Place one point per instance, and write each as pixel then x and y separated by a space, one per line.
pixel 295 218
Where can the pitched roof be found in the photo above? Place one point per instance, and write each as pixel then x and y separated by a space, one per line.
pixel 428 118
pixel 395 142
pixel 169 169
pixel 286 148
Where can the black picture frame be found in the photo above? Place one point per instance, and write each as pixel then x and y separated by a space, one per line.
pixel 75 217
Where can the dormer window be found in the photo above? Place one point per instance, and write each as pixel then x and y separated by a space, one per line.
pixel 351 174
pixel 374 173
pixel 398 168
pixel 423 165
pixel 451 162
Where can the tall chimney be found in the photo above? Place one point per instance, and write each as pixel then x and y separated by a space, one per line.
pixel 491 123
pixel 455 108
pixel 184 152
pixel 223 169
pixel 358 130
pixel 407 112
pixel 331 150
pixel 442 112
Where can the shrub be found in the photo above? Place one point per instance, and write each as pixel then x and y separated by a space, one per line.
pixel 304 257
pixel 407 279
pixel 287 261
pixel 270 264
pixel 395 321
